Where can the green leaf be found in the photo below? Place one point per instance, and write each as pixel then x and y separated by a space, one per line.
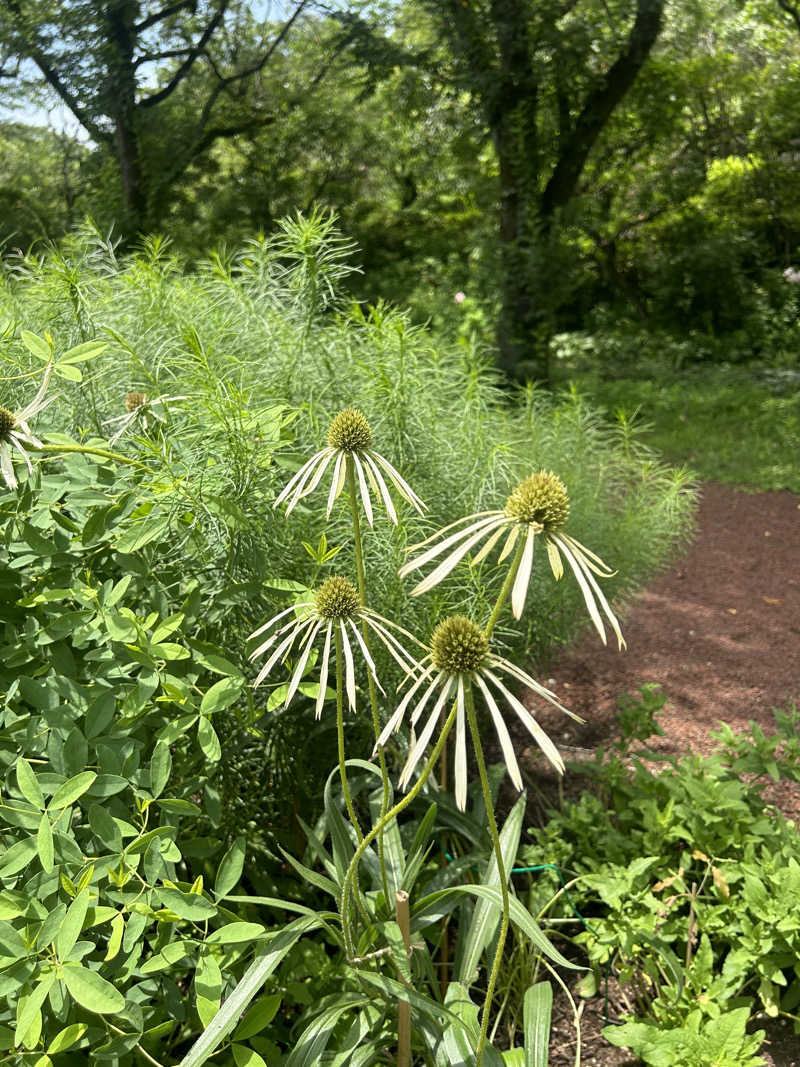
pixel 29 784
pixel 236 932
pixel 72 925
pixel 37 346
pixel 221 695
pixel 160 768
pixel 230 869
pixel 141 843
pixel 92 991
pixel 485 919
pixel 314 1039
pixel 68 372
pixel 247 1057
pixel 73 788
pixel 169 955
pixel 260 1014
pixel 105 827
pixel 188 905
pixel 29 1007
pixel 66 1038
pixel 18 857
pixel 536 1012
pixel 44 843
pixel 208 740
pixel 80 353
pixel 269 957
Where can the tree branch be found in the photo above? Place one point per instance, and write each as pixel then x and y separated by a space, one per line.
pixel 791 10
pixel 599 106
pixel 194 51
pixel 158 16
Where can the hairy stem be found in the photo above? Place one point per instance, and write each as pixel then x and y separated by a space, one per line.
pixel 487 798
pixel 380 826
pixel 340 732
pixel 506 590
pixel 373 696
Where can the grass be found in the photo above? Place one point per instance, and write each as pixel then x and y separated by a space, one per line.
pixel 739 425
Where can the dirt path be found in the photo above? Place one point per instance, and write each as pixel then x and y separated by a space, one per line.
pixel 719 631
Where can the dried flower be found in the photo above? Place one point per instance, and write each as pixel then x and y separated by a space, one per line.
pixel 140 408
pixel 14 430
pixel 350 441
pixel 538 505
pixel 460 656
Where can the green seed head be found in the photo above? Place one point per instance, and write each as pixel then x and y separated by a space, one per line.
pixel 337 598
pixel 541 498
pixel 458 646
pixel 135 400
pixel 350 431
pixel 7 423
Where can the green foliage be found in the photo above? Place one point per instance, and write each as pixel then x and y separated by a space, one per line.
pixel 690 888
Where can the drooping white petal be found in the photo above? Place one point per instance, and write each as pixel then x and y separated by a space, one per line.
pixel 509 755
pixel 349 667
pixel 310 486
pixel 450 526
pixel 511 540
pixel 7 466
pixel 297 676
pixel 323 674
pixel 422 741
pixel 339 472
pixel 400 655
pixel 601 568
pixel 270 641
pixel 528 721
pixel 588 598
pixel 362 485
pixel 397 716
pixel 18 445
pixel 556 566
pixel 487 548
pixel 483 525
pixel 402 485
pixel 38 403
pixel 282 649
pixel 573 554
pixel 295 479
pixel 527 680
pixel 449 564
pixel 382 486
pixel 274 619
pixel 523 576
pixel 461 748
pixel 367 657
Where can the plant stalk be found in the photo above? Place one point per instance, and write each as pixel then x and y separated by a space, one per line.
pixel 487 798
pixel 379 827
pixel 403 916
pixel 340 732
pixel 88 451
pixel 504 593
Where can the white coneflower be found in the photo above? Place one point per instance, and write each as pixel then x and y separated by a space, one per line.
pixel 350 441
pixel 141 408
pixel 334 610
pixel 459 656
pixel 14 430
pixel 538 505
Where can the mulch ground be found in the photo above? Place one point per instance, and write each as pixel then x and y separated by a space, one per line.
pixel 720 633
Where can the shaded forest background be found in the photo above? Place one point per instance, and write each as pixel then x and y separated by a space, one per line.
pixel 509 170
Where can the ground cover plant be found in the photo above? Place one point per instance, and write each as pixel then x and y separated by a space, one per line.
pixel 146 785
pixel 687 885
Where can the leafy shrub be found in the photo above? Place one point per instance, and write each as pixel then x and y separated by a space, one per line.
pixel 691 888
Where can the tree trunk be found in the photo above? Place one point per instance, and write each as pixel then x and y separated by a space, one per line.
pixel 121 108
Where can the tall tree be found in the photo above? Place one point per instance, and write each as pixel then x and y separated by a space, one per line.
pixel 548 77
pixel 157 84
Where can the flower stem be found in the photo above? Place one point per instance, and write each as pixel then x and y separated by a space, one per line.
pixel 506 590
pixel 373 696
pixel 340 731
pixel 487 797
pixel 380 826
pixel 88 451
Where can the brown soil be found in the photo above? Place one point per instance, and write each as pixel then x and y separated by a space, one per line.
pixel 720 633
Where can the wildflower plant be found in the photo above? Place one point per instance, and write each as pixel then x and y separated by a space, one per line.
pixel 15 431
pixel 143 410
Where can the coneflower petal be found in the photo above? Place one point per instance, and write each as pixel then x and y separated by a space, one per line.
pixel 297 676
pixel 400 655
pixel 282 649
pixel 338 481
pixel 16 443
pixel 402 485
pixel 38 403
pixel 7 467
pixel 523 576
pixel 484 525
pixel 556 566
pixel 310 486
pixel 511 540
pixel 521 676
pixel 487 548
pixel 450 526
pixel 367 658
pixel 323 674
pixel 397 717
pixel 350 670
pixel 290 485
pixel 384 489
pixel 422 741
pixel 601 568
pixel 274 619
pixel 509 755
pixel 362 485
pixel 267 645
pixel 449 564
pixel 461 748
pixel 528 721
